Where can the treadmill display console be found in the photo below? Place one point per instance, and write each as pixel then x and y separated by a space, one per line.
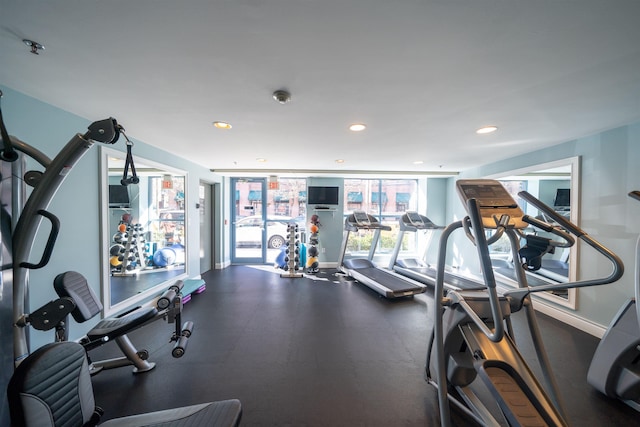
pixel 493 201
pixel 415 219
pixel 361 218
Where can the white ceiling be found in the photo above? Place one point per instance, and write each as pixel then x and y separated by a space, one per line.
pixel 423 75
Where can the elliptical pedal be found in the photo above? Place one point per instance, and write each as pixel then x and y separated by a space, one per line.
pixel 516 400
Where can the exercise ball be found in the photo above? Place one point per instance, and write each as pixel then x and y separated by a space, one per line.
pixel 126 218
pixel 312 262
pixel 280 259
pixel 312 251
pixel 115 261
pixel 164 257
pixel 314 228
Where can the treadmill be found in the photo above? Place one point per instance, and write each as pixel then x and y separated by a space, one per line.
pixel 418 269
pixel 386 282
pixel 421 271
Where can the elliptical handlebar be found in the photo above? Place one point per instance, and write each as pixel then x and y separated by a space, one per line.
pixel 480 242
pixel 636 279
pixel 617 264
pixel 568 239
pixel 562 221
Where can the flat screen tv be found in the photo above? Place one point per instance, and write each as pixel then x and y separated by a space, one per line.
pixel 562 199
pixel 322 195
pixel 118 196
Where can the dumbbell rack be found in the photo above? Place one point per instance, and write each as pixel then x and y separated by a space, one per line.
pixel 133 242
pixel 292 259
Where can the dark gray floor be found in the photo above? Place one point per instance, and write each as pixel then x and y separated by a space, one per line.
pixel 302 352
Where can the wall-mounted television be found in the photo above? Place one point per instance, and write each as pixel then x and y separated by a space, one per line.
pixel 562 199
pixel 322 195
pixel 118 196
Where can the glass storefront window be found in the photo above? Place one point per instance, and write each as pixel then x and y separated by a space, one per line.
pixel 386 200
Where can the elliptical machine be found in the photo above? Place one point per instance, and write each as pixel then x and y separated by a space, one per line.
pixel 472 359
pixel 615 367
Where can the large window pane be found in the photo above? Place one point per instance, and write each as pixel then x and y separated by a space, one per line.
pixel 386 200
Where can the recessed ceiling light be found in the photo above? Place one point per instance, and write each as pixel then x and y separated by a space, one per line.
pixel 261 160
pixel 222 125
pixel 357 127
pixel 339 160
pixel 487 129
pixel 418 162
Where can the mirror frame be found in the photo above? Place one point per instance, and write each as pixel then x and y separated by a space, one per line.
pixel 105 234
pixel 574 164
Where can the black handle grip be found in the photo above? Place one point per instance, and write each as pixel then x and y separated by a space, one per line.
pixel 51 241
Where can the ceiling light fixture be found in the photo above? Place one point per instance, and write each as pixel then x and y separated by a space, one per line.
pixel 339 160
pixel 281 96
pixel 487 129
pixel 357 127
pixel 35 46
pixel 261 160
pixel 222 125
pixel 418 162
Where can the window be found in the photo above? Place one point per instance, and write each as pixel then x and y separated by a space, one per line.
pixel 386 200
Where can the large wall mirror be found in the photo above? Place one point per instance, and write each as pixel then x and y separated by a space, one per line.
pixel 557 184
pixel 143 230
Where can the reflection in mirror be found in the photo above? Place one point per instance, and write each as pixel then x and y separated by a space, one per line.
pixel 557 185
pixel 144 235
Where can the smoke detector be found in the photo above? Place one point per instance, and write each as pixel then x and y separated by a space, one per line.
pixel 35 46
pixel 282 96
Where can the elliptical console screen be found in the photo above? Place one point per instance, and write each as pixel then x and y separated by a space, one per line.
pixel 415 219
pixel 361 218
pixel 493 201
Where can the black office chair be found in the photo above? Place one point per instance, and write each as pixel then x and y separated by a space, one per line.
pixel 52 388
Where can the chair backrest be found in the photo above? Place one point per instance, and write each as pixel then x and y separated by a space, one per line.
pixel 52 388
pixel 74 285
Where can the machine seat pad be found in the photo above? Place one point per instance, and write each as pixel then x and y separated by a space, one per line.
pixel 116 326
pixel 225 413
pixel 75 286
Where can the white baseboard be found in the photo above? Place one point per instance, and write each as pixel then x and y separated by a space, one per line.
pixel 328 264
pixel 570 319
pixel 220 266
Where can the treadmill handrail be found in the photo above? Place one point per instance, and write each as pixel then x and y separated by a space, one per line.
pixel 350 224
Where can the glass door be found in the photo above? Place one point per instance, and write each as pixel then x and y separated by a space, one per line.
pixel 261 217
pixel 249 232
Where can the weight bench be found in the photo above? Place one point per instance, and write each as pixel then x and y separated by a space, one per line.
pixel 52 388
pixel 73 285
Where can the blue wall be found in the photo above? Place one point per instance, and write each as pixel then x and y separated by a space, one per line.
pixel 609 170
pixel 77 203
